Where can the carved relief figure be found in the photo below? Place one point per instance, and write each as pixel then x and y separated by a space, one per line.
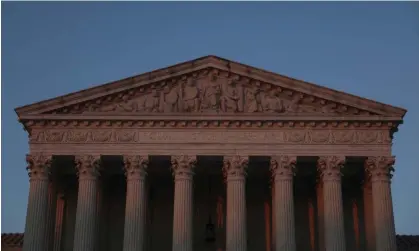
pixel 231 97
pixel 169 99
pixel 211 98
pixel 150 103
pixel 253 100
pixel 191 96
pixel 293 105
pixel 272 103
pixel 126 106
pixel 211 95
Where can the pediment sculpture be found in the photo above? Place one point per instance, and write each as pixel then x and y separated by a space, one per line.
pixel 213 92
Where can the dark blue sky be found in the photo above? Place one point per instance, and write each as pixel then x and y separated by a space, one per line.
pixel 366 49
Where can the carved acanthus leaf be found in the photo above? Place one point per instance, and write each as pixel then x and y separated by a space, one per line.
pixel 39 166
pixel 87 166
pixel 235 166
pixel 283 166
pixel 135 166
pixel 183 166
pixel 330 167
pixel 380 168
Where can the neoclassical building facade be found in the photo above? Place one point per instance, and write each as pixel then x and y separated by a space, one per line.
pixel 210 154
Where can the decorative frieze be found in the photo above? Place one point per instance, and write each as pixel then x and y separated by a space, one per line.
pixel 211 90
pixel 284 136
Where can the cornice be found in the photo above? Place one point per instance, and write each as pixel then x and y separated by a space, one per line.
pixel 207 123
pixel 216 63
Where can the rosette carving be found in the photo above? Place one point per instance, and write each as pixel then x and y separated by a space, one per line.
pixel 135 166
pixel 283 167
pixel 380 168
pixel 39 166
pixel 87 166
pixel 329 167
pixel 235 166
pixel 183 165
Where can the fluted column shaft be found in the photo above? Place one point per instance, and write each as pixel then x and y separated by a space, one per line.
pixel 85 229
pixel 52 205
pixel 182 167
pixel 58 222
pixel 368 216
pixel 135 209
pixel 235 172
pixel 330 173
pixel 282 168
pixel 36 228
pixel 380 169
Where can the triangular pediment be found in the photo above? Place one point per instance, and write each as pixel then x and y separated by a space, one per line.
pixel 210 85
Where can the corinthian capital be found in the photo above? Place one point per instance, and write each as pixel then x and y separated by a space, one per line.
pixel 182 166
pixel 87 166
pixel 39 166
pixel 380 168
pixel 135 166
pixel 283 167
pixel 329 167
pixel 235 166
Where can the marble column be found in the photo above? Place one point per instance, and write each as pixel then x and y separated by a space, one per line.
pixel 320 214
pixel 379 169
pixel 135 209
pixel 368 215
pixel 85 229
pixel 329 168
pixel 99 213
pixel 283 168
pixel 59 222
pixel 52 204
pixel 234 168
pixel 273 214
pixel 182 167
pixel 36 228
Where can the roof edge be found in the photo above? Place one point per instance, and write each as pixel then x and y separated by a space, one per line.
pixel 210 61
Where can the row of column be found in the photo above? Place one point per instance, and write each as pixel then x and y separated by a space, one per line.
pixel 234 168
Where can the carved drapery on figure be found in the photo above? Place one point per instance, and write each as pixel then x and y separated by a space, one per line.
pixel 183 165
pixel 135 166
pixel 39 166
pixel 211 91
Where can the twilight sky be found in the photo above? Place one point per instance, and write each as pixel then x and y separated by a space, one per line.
pixel 366 49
